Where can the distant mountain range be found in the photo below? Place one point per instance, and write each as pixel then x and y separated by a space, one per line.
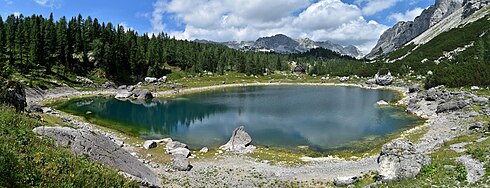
pixel 286 45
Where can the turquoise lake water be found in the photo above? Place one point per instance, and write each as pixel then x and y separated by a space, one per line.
pixel 278 116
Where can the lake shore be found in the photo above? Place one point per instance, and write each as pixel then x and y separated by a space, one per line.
pixel 247 171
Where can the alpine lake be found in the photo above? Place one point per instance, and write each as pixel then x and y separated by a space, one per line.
pixel 322 119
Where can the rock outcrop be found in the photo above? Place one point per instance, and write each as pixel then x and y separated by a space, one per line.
pixel 400 160
pixel 99 148
pixel 471 6
pixel 239 142
pixel 344 181
pixel 384 80
pixel 403 32
pixel 452 105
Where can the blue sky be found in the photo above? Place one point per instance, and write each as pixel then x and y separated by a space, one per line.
pixel 340 21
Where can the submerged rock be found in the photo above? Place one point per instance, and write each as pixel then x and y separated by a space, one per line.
pixel 400 160
pixel 99 148
pixel 382 103
pixel 239 142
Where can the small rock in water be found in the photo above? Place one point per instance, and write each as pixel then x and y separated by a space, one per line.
pixel 382 103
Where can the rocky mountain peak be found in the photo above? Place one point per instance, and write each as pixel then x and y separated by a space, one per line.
pixel 403 32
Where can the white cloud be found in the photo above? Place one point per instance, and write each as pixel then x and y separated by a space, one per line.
pixel 9 2
pixel 16 14
pixel 371 7
pixel 225 20
pixel 409 15
pixel 49 3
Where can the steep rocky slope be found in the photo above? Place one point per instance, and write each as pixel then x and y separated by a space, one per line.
pixel 452 11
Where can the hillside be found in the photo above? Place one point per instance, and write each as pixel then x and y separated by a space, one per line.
pixel 457 57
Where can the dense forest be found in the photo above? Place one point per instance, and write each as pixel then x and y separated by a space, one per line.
pixel 81 45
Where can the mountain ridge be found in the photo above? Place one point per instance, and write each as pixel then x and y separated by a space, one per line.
pixel 284 44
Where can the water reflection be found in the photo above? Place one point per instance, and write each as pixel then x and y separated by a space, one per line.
pixel 284 116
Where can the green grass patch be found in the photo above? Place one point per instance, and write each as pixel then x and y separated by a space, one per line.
pixel 29 161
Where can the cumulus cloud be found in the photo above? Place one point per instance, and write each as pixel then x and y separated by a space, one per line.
pixel 371 7
pixel 49 3
pixel 225 20
pixel 409 15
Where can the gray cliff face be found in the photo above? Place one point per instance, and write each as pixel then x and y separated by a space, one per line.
pixel 404 32
pixel 471 6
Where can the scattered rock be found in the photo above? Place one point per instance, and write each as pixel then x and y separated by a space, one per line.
pixel 36 108
pixel 344 181
pixel 180 151
pixel 474 88
pixel 99 148
pixel 109 85
pixel 474 168
pixel 400 160
pixel 239 142
pixel 344 79
pixel 480 100
pixel 174 145
pixel 204 150
pixel 478 126
pixel 382 103
pixel 434 94
pixel 414 88
pixel 371 82
pixel 451 106
pixel 123 94
pixel 150 79
pixel 163 79
pixel 384 80
pixel 181 163
pixel 149 144
pixel 142 94
pixel 459 147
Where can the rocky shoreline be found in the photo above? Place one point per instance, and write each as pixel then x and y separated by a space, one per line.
pixel 448 115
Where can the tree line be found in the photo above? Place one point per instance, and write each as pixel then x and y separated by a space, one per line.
pixel 79 45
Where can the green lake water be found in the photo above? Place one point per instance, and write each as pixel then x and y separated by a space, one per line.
pixel 322 118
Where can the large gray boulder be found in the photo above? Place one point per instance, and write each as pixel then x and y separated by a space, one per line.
pixel 384 80
pixel 99 148
pixel 123 94
pixel 239 142
pixel 180 151
pixel 400 160
pixel 149 144
pixel 451 106
pixel 172 145
pixel 142 94
pixel 181 163
pixel 435 94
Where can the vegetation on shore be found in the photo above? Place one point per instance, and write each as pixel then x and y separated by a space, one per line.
pixel 28 160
